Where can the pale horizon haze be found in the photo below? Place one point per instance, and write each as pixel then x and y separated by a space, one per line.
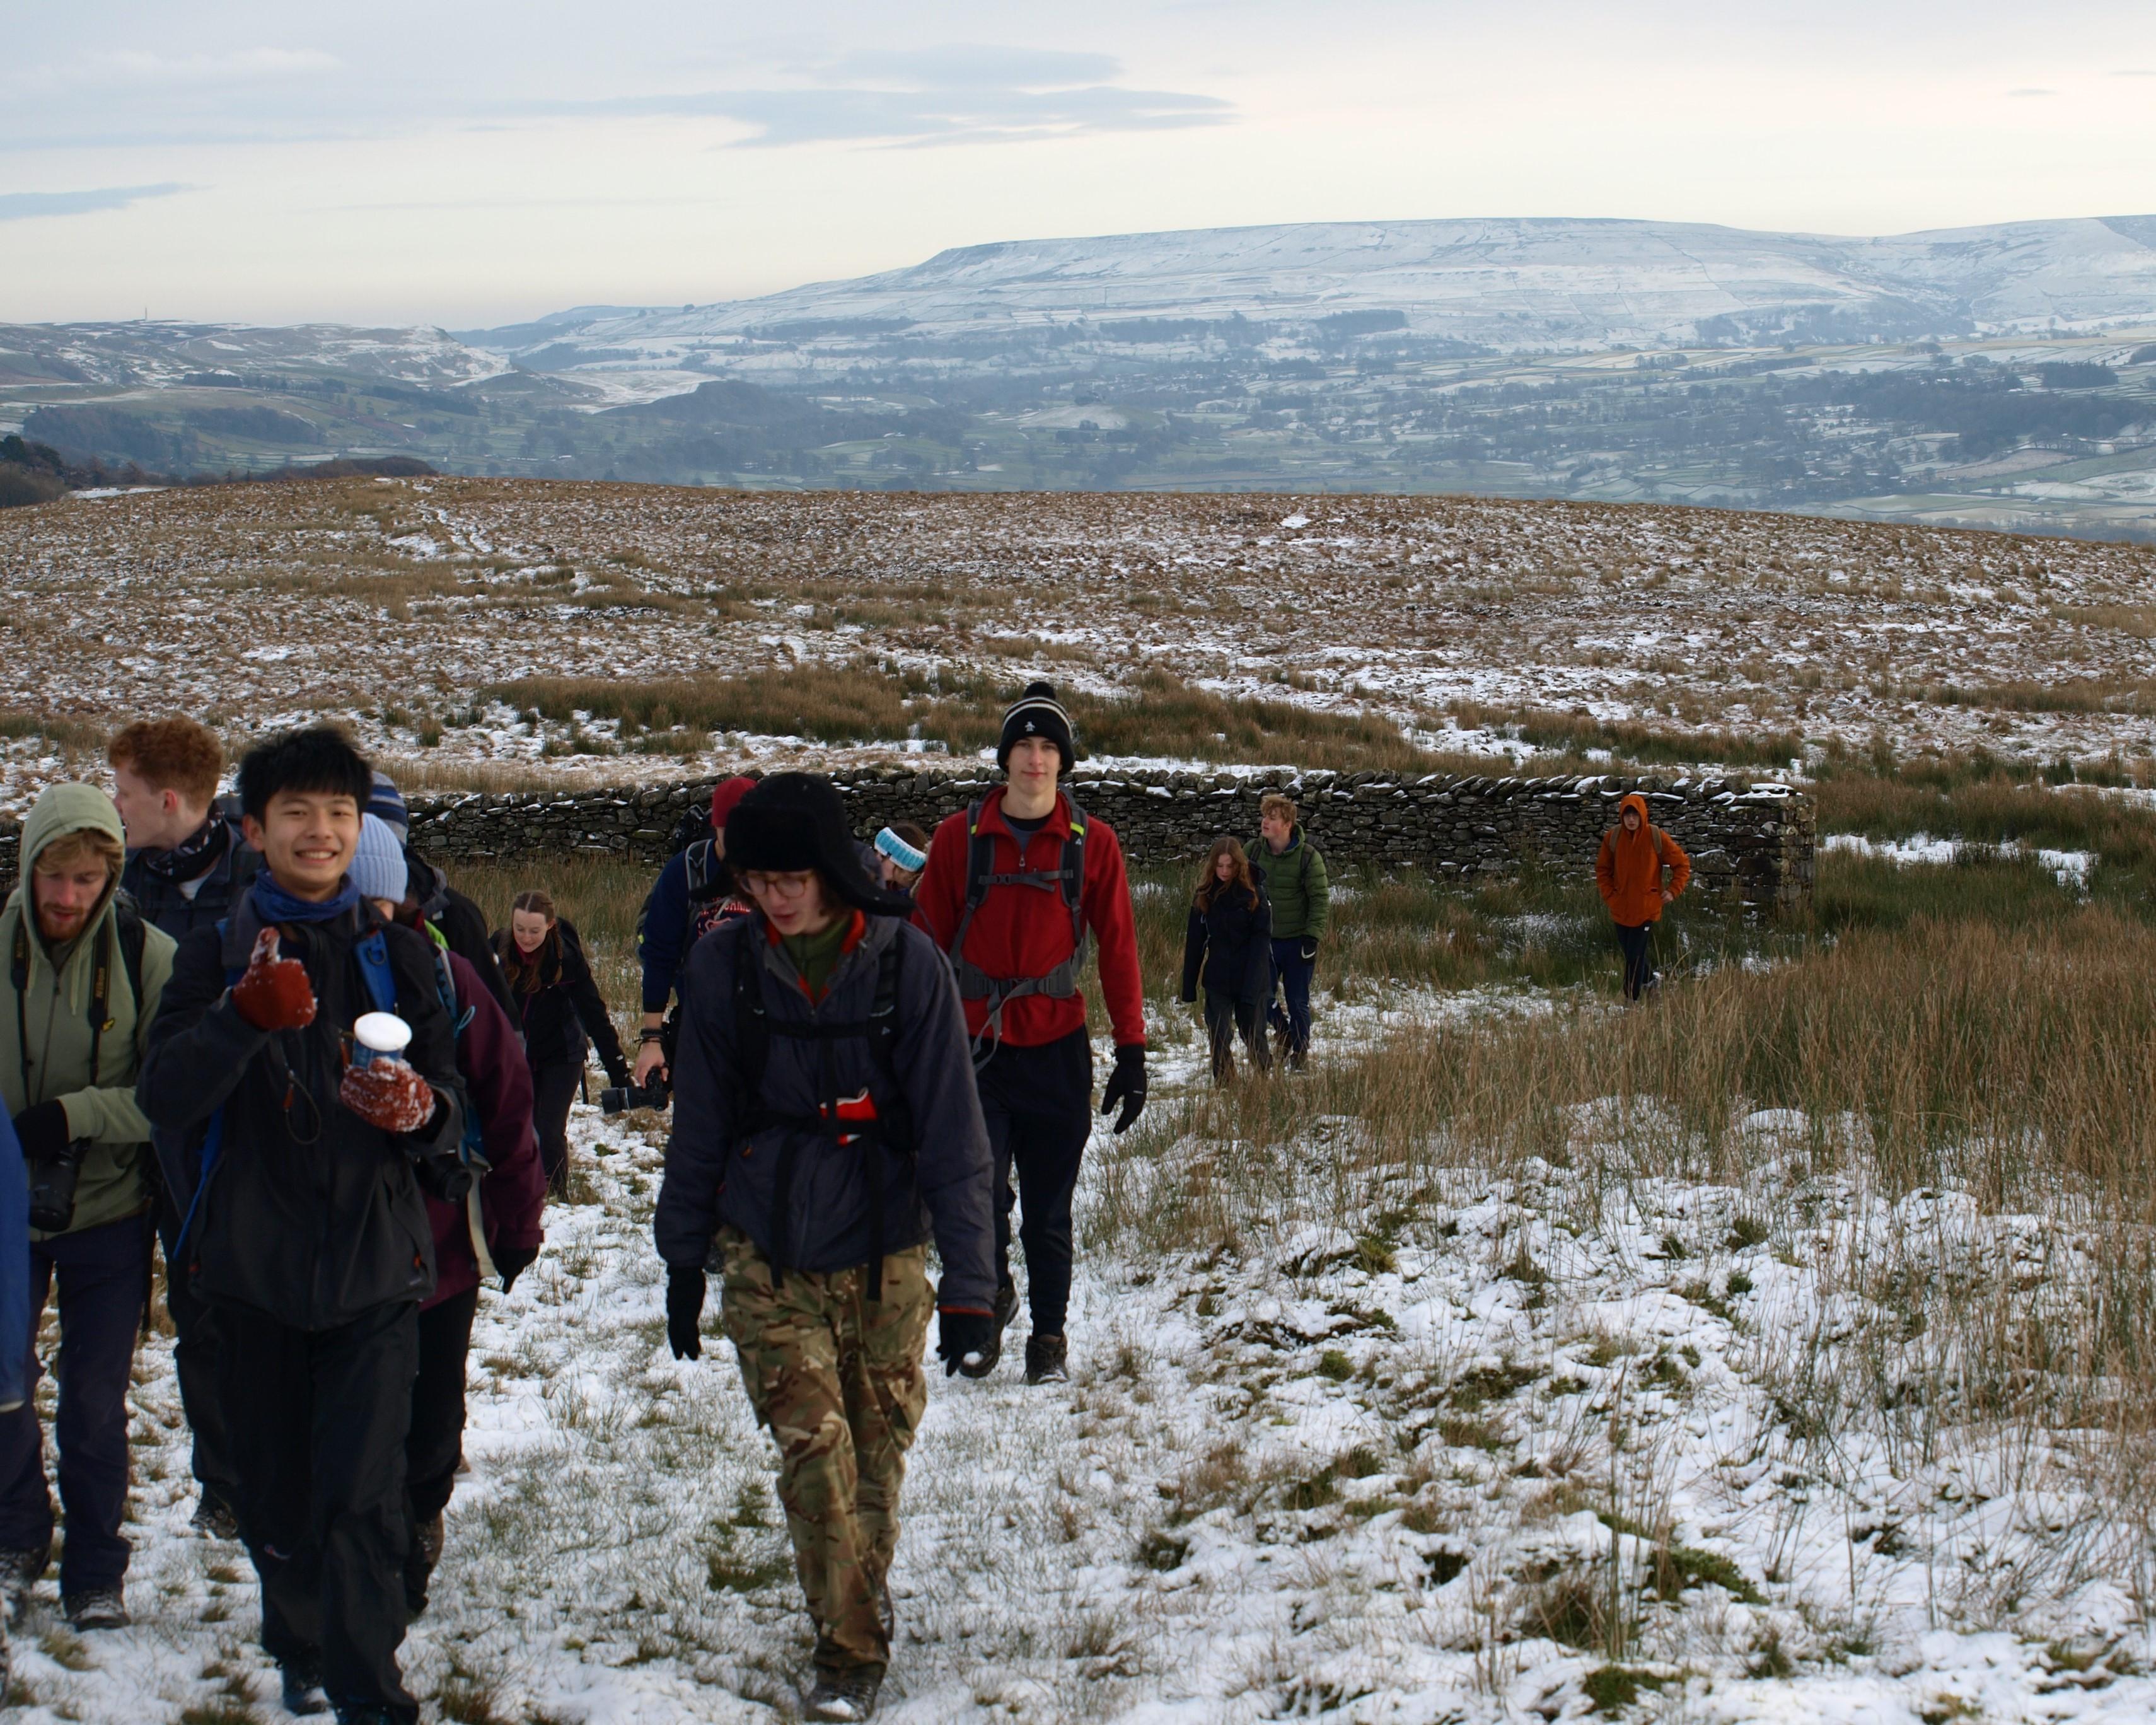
pixel 470 164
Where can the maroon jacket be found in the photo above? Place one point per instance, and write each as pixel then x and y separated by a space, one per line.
pixel 499 1084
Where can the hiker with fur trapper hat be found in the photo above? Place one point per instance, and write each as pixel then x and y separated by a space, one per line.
pixel 825 1128
pixel 1639 869
pixel 695 892
pixel 1015 886
pixel 88 973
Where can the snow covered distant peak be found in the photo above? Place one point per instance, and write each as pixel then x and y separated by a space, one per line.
pixel 1497 283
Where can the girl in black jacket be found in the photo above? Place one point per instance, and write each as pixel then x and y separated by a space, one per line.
pixel 1230 935
pixel 558 1005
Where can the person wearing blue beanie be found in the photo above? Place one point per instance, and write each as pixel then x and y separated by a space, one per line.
pixel 377 866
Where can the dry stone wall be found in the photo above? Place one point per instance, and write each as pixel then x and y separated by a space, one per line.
pixel 1749 844
pixel 1752 844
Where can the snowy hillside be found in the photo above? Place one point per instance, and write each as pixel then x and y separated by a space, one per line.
pixel 1506 284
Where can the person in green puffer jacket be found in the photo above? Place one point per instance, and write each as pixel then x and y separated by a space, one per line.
pixel 1292 872
pixel 74 1024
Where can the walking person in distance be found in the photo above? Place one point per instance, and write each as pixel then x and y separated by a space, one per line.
pixel 1229 939
pixel 1291 871
pixel 825 1128
pixel 694 894
pixel 1639 869
pixel 558 1008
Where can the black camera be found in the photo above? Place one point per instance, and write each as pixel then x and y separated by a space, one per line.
pixel 52 1188
pixel 619 1098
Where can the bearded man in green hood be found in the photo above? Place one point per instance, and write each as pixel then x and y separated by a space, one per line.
pixel 85 972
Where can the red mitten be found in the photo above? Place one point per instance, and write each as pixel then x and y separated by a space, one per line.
pixel 274 994
pixel 388 1094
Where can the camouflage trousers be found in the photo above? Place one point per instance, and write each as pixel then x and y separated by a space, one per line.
pixel 837 1378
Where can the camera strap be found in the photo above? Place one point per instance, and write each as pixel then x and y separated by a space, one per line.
pixel 20 971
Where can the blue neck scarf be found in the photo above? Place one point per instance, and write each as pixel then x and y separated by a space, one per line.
pixel 273 904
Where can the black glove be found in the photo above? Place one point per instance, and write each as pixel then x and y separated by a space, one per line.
pixel 961 1333
pixel 619 1076
pixel 1127 1084
pixel 43 1132
pixel 512 1261
pixel 1310 950
pixel 685 1308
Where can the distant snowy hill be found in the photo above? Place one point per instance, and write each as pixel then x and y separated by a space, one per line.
pixel 1507 286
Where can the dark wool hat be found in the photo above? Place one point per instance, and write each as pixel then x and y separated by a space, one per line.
pixel 795 820
pixel 1036 713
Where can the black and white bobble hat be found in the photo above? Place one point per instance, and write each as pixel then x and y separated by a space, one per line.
pixel 1036 713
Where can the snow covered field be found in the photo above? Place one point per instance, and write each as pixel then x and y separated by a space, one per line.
pixel 394 603
pixel 1512 1444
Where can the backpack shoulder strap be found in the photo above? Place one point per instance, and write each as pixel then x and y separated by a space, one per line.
pixel 751 1026
pixel 373 952
pixel 1074 874
pixel 132 939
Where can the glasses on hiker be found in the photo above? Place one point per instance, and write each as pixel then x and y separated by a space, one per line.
pixel 790 886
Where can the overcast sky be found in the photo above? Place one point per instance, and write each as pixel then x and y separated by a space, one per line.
pixel 476 161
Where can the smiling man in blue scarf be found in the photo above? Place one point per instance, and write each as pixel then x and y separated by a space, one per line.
pixel 304 1180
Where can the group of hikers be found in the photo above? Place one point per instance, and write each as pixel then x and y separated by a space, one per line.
pixel 266 1035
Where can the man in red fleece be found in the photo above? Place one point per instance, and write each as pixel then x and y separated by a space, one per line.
pixel 998 897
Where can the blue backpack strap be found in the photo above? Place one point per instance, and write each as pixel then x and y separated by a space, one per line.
pixel 374 966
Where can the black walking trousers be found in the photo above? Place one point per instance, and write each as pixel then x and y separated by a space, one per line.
pixel 317 1420
pixel 1039 1106
pixel 194 1364
pixel 1638 946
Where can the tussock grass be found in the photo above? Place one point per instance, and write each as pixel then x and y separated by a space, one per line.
pixel 862 703
pixel 2006 1061
pixel 1571 734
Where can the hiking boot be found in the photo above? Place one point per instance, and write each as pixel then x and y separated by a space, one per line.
pixel 304 1694
pixel 96 1607
pixel 19 1571
pixel 419 1563
pixel 214 1517
pixel 847 1694
pixel 1045 1360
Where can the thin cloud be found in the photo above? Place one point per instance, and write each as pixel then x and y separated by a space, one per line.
pixel 2031 92
pixel 961 92
pixel 25 206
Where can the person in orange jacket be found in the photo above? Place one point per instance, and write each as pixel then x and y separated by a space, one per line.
pixel 1640 868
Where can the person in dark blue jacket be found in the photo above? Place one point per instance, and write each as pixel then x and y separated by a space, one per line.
pixel 693 895
pixel 826 1125
pixel 14 1300
pixel 14 1269
pixel 1230 937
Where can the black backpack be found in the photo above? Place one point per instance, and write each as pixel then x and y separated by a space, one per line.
pixel 753 1028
